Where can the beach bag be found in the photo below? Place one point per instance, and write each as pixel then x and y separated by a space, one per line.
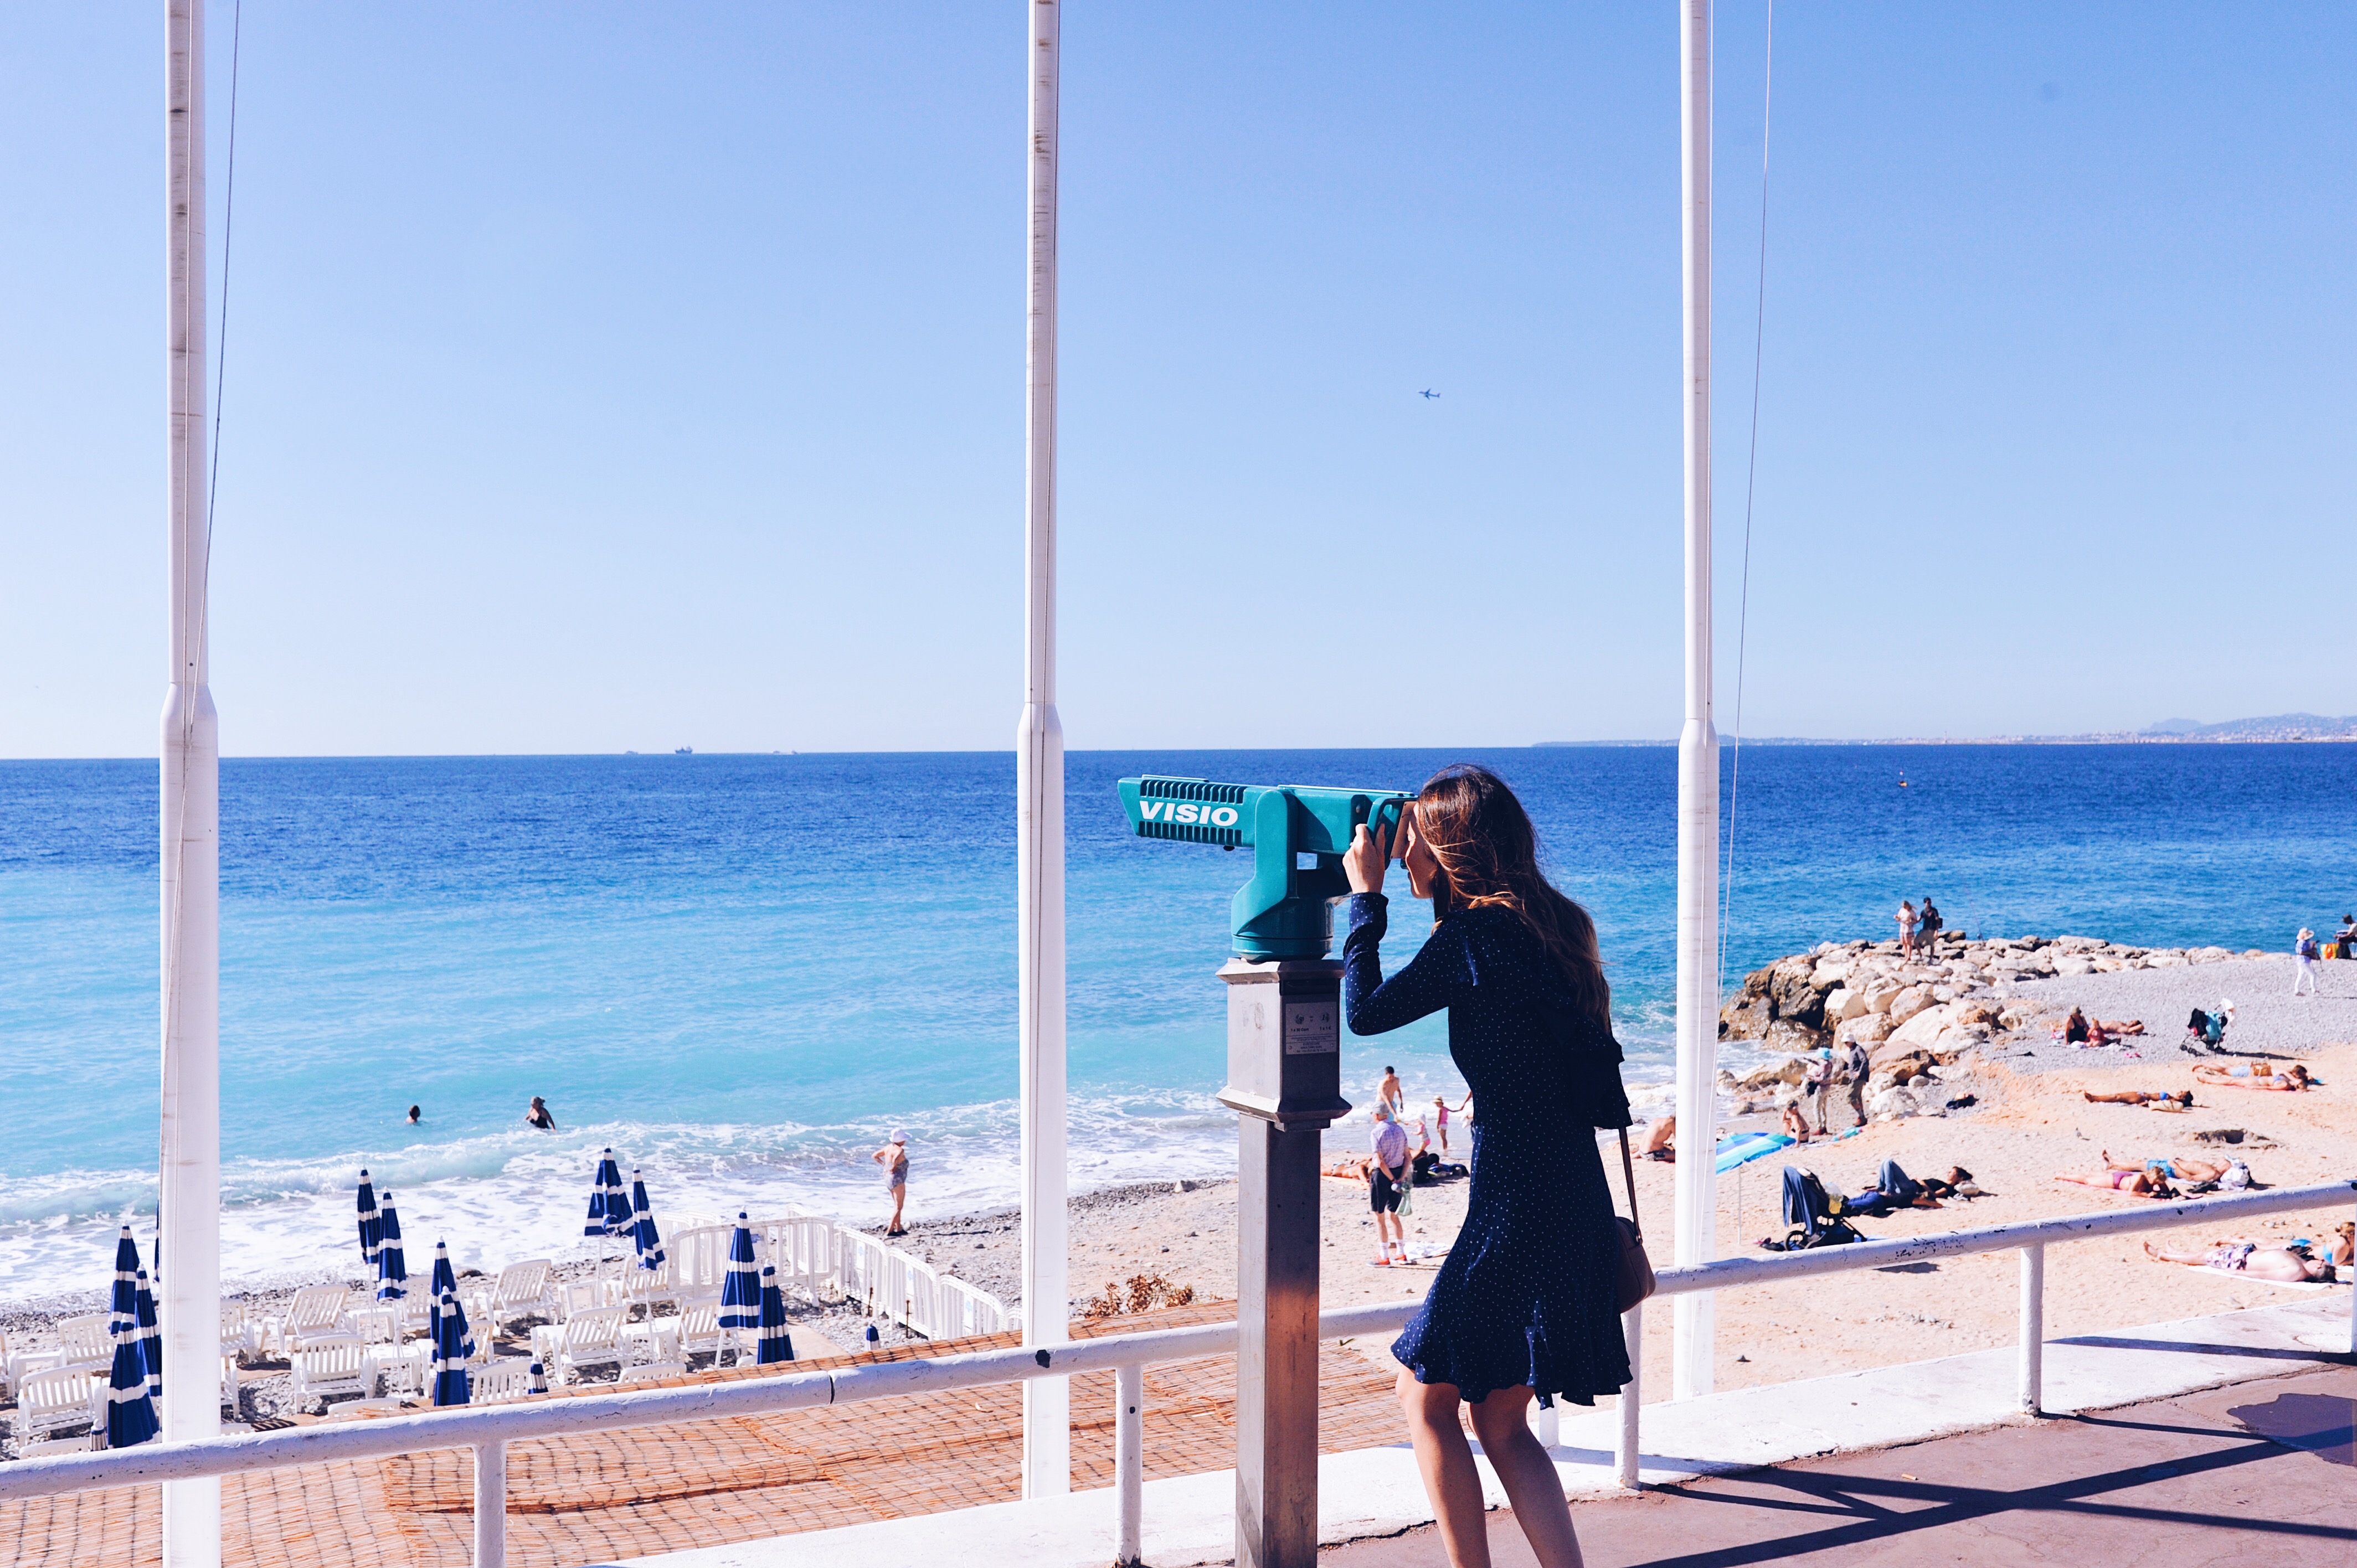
pixel 1634 1279
pixel 1407 1190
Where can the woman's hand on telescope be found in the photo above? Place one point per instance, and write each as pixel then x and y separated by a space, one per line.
pixel 1365 861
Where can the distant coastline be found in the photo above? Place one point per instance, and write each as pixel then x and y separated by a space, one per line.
pixel 2283 729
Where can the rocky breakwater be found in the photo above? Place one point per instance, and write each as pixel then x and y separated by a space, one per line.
pixel 1916 1015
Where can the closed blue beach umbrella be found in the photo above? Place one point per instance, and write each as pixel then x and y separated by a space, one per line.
pixel 539 1379
pixel 649 1245
pixel 130 1402
pixel 776 1344
pixel 392 1267
pixel 445 1287
pixel 372 1223
pixel 740 1292
pixel 129 1406
pixel 609 1206
pixel 451 1348
pixel 151 1335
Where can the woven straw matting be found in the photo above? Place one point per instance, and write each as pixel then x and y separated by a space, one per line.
pixel 603 1496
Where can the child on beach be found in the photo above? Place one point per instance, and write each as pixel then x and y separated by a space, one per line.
pixel 1527 1302
pixel 1440 1113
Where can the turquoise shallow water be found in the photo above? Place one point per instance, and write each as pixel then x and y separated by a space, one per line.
pixel 744 972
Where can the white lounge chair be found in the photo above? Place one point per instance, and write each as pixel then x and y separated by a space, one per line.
pixel 86 1341
pixel 523 1291
pixel 580 1295
pixel 52 1400
pixel 239 1337
pixel 587 1339
pixel 653 1371
pixel 651 1288
pixel 402 1371
pixel 317 1312
pixel 503 1381
pixel 700 1333
pixel 340 1365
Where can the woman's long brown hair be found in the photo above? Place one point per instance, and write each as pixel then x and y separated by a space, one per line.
pixel 1489 858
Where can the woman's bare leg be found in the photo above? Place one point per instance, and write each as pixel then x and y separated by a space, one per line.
pixel 2158 1256
pixel 1502 1423
pixel 1451 1482
pixel 2084 1180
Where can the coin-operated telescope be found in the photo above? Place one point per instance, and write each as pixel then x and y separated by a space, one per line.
pixel 1284 1079
pixel 1287 909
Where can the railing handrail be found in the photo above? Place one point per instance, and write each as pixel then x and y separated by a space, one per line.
pixel 1726 1274
pixel 152 1461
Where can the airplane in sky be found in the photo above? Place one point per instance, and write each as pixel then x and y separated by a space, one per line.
pixel 1429 392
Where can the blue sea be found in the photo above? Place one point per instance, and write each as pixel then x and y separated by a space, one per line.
pixel 743 973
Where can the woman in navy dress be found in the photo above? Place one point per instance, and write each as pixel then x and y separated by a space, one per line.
pixel 1526 1304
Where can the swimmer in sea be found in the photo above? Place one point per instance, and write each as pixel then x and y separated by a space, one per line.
pixel 538 1116
pixel 414 1116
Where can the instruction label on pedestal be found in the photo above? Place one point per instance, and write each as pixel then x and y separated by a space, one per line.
pixel 1312 1028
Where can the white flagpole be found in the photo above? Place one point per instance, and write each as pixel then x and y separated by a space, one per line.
pixel 1039 787
pixel 189 1217
pixel 1698 1006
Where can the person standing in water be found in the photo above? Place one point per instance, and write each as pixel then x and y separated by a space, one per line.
pixel 538 1116
pixel 894 1158
pixel 1526 1303
pixel 1389 1093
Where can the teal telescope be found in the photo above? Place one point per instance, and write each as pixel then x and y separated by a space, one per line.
pixel 1287 911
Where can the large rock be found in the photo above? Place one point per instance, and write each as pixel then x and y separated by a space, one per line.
pixel 1923 1027
pixel 1880 994
pixel 2075 963
pixel 1829 973
pixel 1796 996
pixel 1908 1003
pixel 1842 1005
pixel 1866 1028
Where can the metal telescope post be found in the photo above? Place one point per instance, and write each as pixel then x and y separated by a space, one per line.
pixel 1284 1079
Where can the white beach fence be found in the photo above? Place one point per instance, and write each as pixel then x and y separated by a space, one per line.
pixel 826 1262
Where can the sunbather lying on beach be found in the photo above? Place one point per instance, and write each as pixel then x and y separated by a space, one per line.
pixel 2138 1183
pixel 2120 1025
pixel 2249 1258
pixel 1350 1168
pixel 1661 1140
pixel 2138 1096
pixel 2176 1168
pixel 2253 1075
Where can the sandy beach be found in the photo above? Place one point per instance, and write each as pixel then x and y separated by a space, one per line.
pixel 2030 1120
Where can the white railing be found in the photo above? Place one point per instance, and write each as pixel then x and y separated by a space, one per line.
pixel 824 1262
pixel 488 1431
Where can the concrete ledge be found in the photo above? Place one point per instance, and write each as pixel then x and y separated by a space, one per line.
pixel 1376 1491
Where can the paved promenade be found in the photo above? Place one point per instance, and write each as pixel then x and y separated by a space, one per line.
pixel 2254 1476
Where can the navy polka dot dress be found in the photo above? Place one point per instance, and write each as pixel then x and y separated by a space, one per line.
pixel 1526 1297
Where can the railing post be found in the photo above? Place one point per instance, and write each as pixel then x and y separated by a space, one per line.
pixel 1129 1463
pixel 491 1505
pixel 1632 1397
pixel 2033 1325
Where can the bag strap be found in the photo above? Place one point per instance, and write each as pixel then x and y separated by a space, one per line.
pixel 1629 1173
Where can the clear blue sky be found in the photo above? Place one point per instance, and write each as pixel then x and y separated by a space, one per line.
pixel 616 376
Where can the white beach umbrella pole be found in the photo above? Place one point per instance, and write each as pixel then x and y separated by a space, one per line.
pixel 189 1221
pixel 1040 788
pixel 1698 1007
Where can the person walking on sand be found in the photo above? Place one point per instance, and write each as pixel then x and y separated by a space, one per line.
pixel 1857 1064
pixel 1906 930
pixel 2303 961
pixel 538 1116
pixel 1820 1084
pixel 1386 1175
pixel 1526 1303
pixel 894 1158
